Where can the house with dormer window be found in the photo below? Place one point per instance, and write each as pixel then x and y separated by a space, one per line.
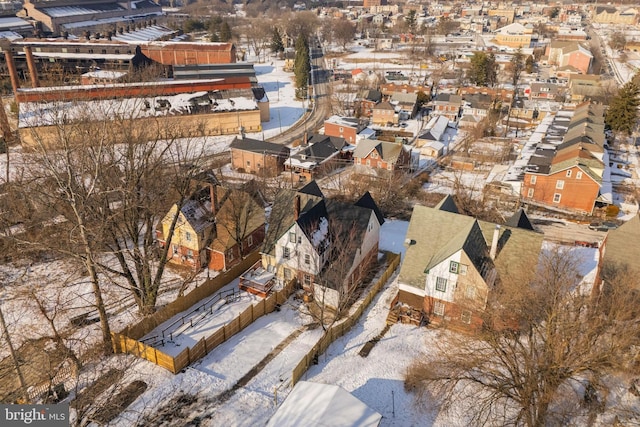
pixel 327 245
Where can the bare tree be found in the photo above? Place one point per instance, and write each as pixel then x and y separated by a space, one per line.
pixel 303 23
pixel 259 35
pixel 344 32
pixel 543 345
pixel 338 285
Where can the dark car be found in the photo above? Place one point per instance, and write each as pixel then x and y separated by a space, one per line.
pixel 603 226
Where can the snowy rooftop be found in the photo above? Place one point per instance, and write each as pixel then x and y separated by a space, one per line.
pixel 46 114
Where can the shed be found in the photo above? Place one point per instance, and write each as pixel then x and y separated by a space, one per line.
pixel 315 404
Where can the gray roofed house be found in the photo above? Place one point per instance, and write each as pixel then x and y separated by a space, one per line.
pixel 322 154
pixel 520 220
pixel 447 204
pixel 622 246
pixel 321 241
pixel 256 156
pixel 453 262
pixel 381 155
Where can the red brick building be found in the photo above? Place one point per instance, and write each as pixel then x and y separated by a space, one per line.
pixel 180 53
pixel 343 127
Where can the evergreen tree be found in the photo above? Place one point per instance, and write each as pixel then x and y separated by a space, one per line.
pixel 411 21
pixel 477 73
pixel 302 65
pixel 529 63
pixel 492 70
pixel 276 41
pixel 622 114
pixel 517 66
pixel 225 32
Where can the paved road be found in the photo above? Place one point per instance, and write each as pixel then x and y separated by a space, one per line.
pixel 570 233
pixel 315 116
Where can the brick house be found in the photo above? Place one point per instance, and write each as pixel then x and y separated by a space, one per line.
pixel 343 127
pixel 448 105
pixel 382 155
pixel 365 102
pixel 258 157
pixel 454 262
pixel 570 180
pixel 572 175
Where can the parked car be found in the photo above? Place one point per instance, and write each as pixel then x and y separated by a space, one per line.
pixel 603 226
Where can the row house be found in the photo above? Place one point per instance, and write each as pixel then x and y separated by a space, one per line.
pixel 613 15
pixel 448 105
pixel 574 175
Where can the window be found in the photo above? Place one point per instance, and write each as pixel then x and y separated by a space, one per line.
pixel 175 249
pixel 556 198
pixel 286 254
pixel 569 173
pixel 341 129
pixel 287 274
pixel 462 270
pixel 368 162
pixel 189 253
pixel 307 279
pixel 441 284
pixel 579 175
pixel 187 236
pixel 533 179
pixel 307 259
pixel 530 193
pixel 250 240
pixel 248 163
pixel 292 237
pixel 438 308
pixel 230 255
pixel 465 316
pixel 559 184
pixel 454 267
pixel 470 292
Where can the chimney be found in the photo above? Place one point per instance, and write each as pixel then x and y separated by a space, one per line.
pixel 306 139
pixel 214 199
pixel 33 71
pixel 13 73
pixel 494 242
pixel 296 208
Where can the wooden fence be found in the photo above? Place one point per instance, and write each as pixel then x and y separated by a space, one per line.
pixel 125 344
pixel 339 329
